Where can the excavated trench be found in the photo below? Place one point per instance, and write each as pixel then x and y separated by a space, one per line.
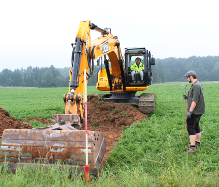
pixel 109 118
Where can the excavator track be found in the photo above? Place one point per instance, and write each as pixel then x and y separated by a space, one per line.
pixel 147 103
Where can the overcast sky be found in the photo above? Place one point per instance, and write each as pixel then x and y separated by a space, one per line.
pixel 40 32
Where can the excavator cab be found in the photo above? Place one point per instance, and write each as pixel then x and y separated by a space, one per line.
pixel 137 78
pixel 141 74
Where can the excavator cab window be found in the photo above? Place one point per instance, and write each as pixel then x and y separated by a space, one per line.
pixel 138 75
pixel 135 66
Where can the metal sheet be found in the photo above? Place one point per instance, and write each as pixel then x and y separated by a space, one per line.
pixel 27 146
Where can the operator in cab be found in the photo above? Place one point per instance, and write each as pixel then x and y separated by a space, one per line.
pixel 137 67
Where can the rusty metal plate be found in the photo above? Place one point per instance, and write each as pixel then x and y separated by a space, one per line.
pixel 26 146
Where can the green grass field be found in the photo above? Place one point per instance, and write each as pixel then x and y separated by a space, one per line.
pixel 150 153
pixel 24 103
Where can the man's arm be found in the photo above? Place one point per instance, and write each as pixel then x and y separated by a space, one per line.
pixel 193 105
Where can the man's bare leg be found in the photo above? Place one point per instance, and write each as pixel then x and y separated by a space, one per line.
pixel 192 139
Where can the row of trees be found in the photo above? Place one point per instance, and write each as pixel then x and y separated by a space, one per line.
pixel 174 69
pixel 165 70
pixel 33 77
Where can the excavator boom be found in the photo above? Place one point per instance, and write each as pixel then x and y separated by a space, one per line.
pixel 64 141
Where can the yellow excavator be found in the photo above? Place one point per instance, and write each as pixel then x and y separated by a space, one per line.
pixel 64 141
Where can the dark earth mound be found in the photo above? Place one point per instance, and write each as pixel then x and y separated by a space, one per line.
pixel 7 122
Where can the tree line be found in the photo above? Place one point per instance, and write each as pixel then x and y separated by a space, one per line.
pixel 33 77
pixel 165 70
pixel 173 69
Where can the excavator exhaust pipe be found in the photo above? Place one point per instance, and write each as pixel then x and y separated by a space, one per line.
pixel 48 147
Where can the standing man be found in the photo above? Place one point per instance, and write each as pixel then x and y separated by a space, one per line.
pixel 195 108
pixel 137 67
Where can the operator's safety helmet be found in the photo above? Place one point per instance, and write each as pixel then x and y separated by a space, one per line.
pixel 190 73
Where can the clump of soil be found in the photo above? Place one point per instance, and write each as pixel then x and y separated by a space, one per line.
pixel 7 122
pixel 109 118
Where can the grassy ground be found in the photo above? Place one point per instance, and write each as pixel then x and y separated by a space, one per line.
pixel 151 153
pixel 24 103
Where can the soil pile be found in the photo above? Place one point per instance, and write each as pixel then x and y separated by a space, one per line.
pixel 7 122
pixel 109 118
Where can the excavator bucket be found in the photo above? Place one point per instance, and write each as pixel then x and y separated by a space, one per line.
pixel 44 147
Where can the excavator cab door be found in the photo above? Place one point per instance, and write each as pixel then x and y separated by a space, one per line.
pixel 138 67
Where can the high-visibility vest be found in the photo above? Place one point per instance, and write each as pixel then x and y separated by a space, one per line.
pixel 134 67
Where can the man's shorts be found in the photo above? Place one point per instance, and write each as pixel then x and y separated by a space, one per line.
pixel 193 124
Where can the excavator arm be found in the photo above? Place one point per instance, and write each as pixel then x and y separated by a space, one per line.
pixel 83 55
pixel 109 45
pixel 63 142
pixel 114 77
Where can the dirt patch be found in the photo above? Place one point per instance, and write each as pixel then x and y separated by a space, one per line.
pixel 109 118
pixel 7 122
